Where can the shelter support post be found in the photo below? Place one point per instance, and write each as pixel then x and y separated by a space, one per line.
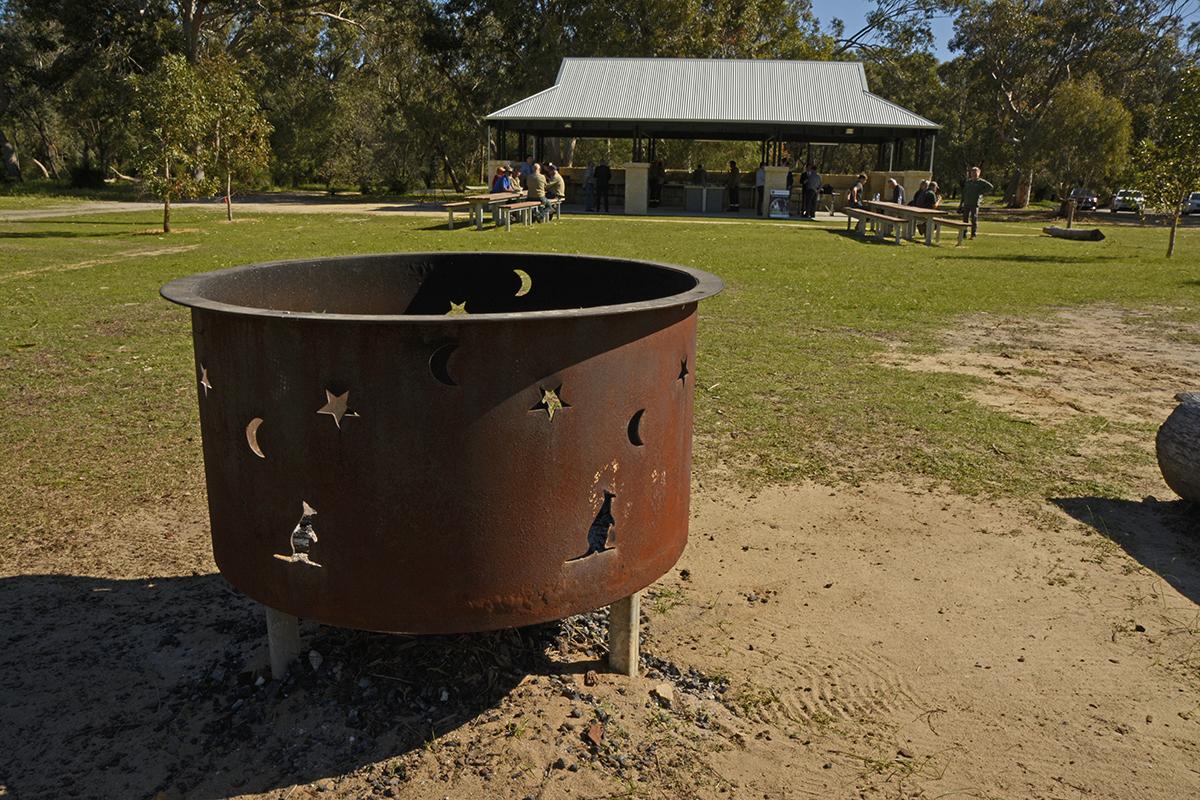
pixel 637 187
pixel 624 624
pixel 774 177
pixel 932 144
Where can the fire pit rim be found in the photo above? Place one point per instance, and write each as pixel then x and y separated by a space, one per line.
pixel 188 291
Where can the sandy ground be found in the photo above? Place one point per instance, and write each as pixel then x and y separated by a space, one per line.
pixel 888 641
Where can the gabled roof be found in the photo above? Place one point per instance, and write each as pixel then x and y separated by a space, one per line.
pixel 701 90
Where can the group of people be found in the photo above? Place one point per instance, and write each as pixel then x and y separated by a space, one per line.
pixel 543 185
pixel 810 185
pixel 929 195
pixel 546 185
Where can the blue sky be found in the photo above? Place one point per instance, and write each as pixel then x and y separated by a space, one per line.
pixel 852 12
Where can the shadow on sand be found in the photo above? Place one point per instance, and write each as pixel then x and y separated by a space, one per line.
pixel 1164 536
pixel 124 688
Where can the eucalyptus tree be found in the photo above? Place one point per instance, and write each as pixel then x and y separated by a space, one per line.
pixel 1084 137
pixel 1017 53
pixel 173 120
pixel 1168 165
pixel 238 140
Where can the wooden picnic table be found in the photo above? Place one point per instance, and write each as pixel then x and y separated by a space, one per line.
pixel 912 215
pixel 480 202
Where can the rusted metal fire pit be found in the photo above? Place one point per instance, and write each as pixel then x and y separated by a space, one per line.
pixel 445 442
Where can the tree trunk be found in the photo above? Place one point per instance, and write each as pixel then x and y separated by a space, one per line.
pixel 167 196
pixel 228 199
pixel 1076 234
pixel 49 152
pixel 458 187
pixel 8 155
pixel 1024 188
pixel 42 167
pixel 1174 227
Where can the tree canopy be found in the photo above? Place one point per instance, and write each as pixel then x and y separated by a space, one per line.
pixel 389 95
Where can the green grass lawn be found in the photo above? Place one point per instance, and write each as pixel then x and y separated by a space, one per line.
pixel 99 399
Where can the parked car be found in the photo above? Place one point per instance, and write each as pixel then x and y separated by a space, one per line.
pixel 1192 206
pixel 1085 199
pixel 1128 200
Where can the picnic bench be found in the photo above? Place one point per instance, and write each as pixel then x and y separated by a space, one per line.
pixel 459 207
pixel 912 216
pixel 479 203
pixel 883 224
pixel 954 224
pixel 524 211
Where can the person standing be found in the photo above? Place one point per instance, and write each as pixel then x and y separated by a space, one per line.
pixel 658 176
pixel 589 186
pixel 700 175
pixel 733 187
pixel 810 184
pixel 854 198
pixel 973 191
pixel 897 191
pixel 526 167
pixel 603 177
pixel 760 185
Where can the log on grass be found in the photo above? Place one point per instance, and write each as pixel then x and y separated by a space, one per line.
pixel 1178 447
pixel 1078 234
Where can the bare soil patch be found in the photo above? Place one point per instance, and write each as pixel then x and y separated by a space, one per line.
pixel 1119 365
pixel 95 262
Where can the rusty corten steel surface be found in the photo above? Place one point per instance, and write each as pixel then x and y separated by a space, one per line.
pixel 425 470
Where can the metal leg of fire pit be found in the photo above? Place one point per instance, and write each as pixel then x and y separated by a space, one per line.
pixel 283 640
pixel 624 622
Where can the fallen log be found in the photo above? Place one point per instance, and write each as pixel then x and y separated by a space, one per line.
pixel 1077 234
pixel 1178 447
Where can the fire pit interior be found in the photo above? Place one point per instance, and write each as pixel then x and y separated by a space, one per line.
pixel 446 442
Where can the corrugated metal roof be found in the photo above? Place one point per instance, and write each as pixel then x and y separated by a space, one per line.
pixel 713 90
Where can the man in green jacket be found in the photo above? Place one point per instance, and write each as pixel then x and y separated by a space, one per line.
pixel 974 189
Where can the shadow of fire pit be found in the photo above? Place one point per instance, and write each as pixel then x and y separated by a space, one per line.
pixel 123 688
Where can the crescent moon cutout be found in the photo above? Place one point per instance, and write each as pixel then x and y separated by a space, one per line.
pixel 439 363
pixel 252 436
pixel 635 428
pixel 526 282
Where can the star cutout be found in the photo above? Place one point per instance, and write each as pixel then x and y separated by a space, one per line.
pixel 551 402
pixel 683 370
pixel 335 406
pixel 458 309
pixel 204 379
